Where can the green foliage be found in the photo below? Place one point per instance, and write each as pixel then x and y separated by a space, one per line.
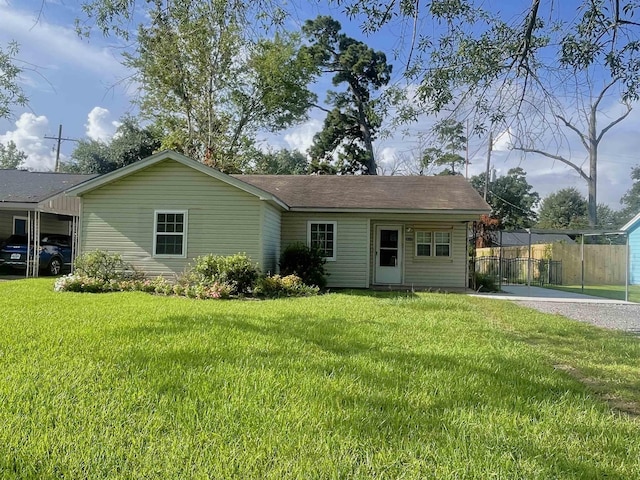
pixel 10 156
pixel 305 262
pixel 276 286
pixel 237 270
pixel 566 208
pixel 511 197
pixel 345 143
pixel 449 136
pixel 631 199
pixel 280 162
pixel 104 266
pixel 129 144
pixel 11 93
pixel 484 282
pixel 210 86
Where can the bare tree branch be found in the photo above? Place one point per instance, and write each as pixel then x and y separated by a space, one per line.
pixel 554 157
pixel 583 137
pixel 613 124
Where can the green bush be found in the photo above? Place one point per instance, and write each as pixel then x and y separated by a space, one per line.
pixel 307 263
pixel 276 286
pixel 105 266
pixel 237 270
pixel 485 283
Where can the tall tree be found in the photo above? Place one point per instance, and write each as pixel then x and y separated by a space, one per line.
pixel 206 78
pixel 509 63
pixel 10 92
pixel 10 156
pixel 351 126
pixel 563 209
pixel 129 144
pixel 450 138
pixel 511 197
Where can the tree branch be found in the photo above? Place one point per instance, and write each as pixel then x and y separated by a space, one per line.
pixel 604 90
pixel 554 157
pixel 613 124
pixel 582 136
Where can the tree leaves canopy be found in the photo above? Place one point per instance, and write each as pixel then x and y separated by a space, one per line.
pixel 10 92
pixel 564 209
pixel 10 156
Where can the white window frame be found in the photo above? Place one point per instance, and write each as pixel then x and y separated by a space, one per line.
pixel 415 236
pixel 183 233
pixel 13 225
pixel 433 243
pixel 335 236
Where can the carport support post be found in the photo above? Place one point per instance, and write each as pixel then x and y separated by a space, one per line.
pixel 529 261
pixel 500 263
pixel 582 263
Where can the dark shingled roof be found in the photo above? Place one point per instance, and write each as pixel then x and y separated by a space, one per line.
pixel 22 186
pixel 371 192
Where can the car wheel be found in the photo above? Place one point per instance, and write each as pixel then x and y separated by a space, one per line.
pixel 55 266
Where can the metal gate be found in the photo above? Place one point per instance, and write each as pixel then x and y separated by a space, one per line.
pixel 518 271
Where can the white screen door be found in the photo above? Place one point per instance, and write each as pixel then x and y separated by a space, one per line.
pixel 388 254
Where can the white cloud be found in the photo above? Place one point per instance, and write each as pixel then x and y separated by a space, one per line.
pixel 51 44
pixel 301 138
pixel 29 137
pixel 503 141
pixel 99 126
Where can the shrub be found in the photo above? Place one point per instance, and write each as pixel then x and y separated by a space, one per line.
pixel 276 286
pixel 105 266
pixel 485 282
pixel 307 263
pixel 237 271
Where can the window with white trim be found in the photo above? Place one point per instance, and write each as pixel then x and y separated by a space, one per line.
pixel 170 233
pixel 322 235
pixel 433 244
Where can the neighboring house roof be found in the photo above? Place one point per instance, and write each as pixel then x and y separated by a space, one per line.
pixel 329 192
pixel 23 186
pixel 361 192
pixel 631 224
pixel 522 238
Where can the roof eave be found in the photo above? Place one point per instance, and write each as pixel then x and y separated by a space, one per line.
pixel 628 226
pixel 438 211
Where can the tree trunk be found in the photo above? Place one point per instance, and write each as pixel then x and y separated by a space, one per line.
pixel 593 169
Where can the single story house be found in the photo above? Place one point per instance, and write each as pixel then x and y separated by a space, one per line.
pixel 632 227
pixel 164 211
pixel 32 203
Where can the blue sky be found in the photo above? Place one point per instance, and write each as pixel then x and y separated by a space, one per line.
pixel 81 84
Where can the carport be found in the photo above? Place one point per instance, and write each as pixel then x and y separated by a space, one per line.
pixel 32 203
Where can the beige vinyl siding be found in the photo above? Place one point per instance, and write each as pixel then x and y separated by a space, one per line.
pixel 431 271
pixel 119 217
pixel 350 269
pixel 49 223
pixel 270 238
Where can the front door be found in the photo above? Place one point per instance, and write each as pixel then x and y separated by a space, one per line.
pixel 388 254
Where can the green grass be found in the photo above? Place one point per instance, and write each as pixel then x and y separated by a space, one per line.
pixel 615 292
pixel 346 385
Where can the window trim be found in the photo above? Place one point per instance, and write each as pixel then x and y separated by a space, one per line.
pixel 13 224
pixel 415 242
pixel 335 236
pixel 433 243
pixel 183 233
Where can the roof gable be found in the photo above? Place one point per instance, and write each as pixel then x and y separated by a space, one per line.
pixel 173 156
pixel 631 224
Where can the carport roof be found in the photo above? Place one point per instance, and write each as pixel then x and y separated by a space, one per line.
pixel 23 186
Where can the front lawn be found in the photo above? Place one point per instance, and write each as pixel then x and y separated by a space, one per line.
pixel 345 385
pixel 615 292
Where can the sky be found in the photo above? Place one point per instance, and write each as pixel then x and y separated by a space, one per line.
pixel 80 84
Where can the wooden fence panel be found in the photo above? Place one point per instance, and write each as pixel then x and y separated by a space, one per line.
pixel 603 264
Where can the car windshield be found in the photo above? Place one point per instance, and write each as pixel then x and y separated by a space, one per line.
pixel 46 238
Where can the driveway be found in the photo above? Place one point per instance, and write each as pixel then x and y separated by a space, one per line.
pixel 602 312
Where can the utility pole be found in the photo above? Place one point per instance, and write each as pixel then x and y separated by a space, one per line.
pixel 486 175
pixel 59 139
